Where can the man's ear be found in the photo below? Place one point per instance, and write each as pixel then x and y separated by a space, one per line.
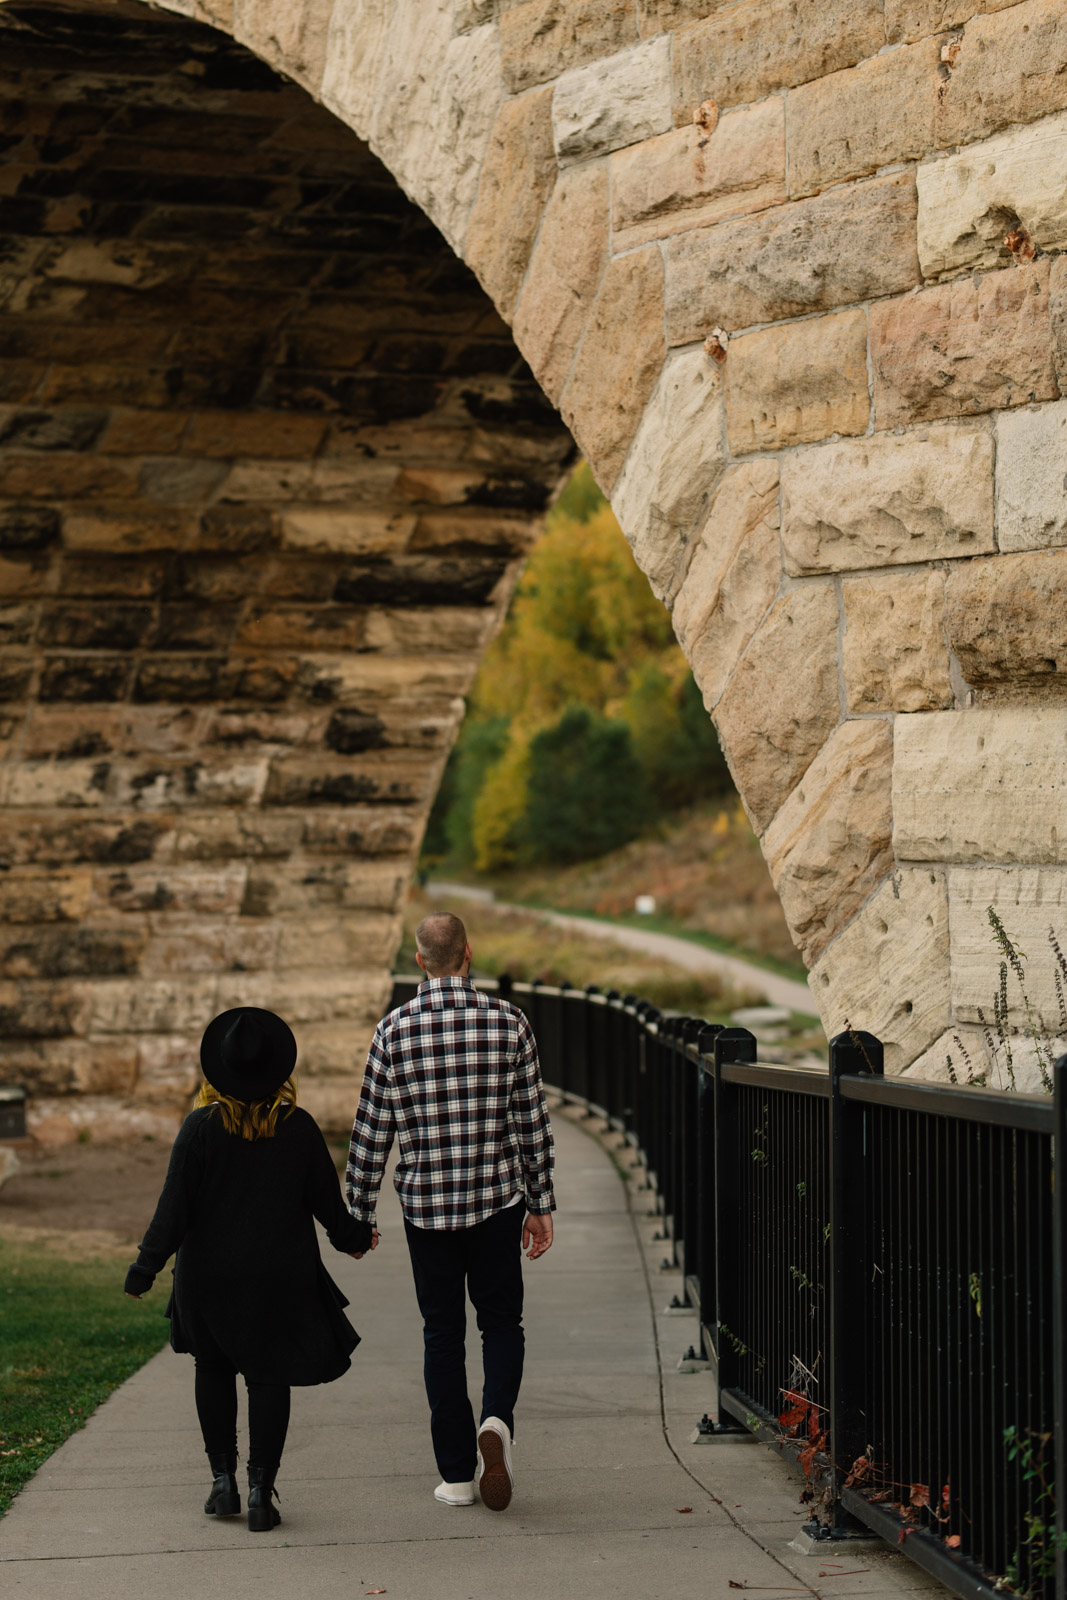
pixel 419 961
pixel 467 957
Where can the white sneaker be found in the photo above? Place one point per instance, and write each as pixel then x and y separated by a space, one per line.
pixel 495 1477
pixel 455 1494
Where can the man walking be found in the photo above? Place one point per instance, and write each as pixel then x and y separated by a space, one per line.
pixel 454 1075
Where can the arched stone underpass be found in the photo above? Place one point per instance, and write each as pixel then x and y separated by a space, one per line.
pixel 792 275
pixel 269 461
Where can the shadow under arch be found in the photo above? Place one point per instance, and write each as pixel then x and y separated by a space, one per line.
pixel 269 465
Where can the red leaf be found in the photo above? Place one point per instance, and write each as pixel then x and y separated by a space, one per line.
pixel 920 1494
pixel 683 1509
pixel 903 1534
pixel 953 1541
pixel 945 1496
pixel 813 1423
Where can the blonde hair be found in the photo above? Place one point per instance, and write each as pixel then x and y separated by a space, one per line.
pixel 252 1119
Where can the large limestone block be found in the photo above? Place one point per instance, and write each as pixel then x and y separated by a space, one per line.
pixel 888 973
pixel 733 577
pixel 672 469
pixel 516 181
pixel 1031 473
pixel 539 39
pixel 426 99
pixel 291 38
pixel 689 178
pixel 564 275
pixel 659 16
pixel 981 785
pixel 964 347
pixel 1010 67
pixel 617 365
pixel 849 245
pixel 855 121
pixel 616 102
pixel 357 48
pixel 893 650
pixel 1031 902
pixel 967 1053
pixel 907 20
pixel 918 496
pixel 783 701
pixel 796 383
pixel 747 51
pixel 830 844
pixel 1006 620
pixel 971 201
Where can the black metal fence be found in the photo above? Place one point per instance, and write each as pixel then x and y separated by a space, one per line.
pixel 876 1265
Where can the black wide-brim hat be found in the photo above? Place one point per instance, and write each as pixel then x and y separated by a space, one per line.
pixel 247 1053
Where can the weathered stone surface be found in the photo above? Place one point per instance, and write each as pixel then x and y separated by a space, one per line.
pixel 291 38
pixel 564 275
pixel 792 384
pixel 617 101
pixel 1032 904
pixel 969 1054
pixel 851 244
pixel 689 178
pixel 1006 620
pixel 788 678
pixel 963 347
pixel 732 578
pixel 108 1119
pixel 1031 472
pixel 970 202
pixel 830 844
pixel 618 363
pixel 747 51
pixel 888 973
pixel 920 496
pixel 672 469
pixel 539 39
pixel 516 181
pixel 28 895
pixel 1058 312
pixel 1010 67
pixel 893 650
pixel 907 20
pixel 660 16
pixel 981 785
pixel 855 121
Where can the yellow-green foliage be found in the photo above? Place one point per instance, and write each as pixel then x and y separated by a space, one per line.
pixel 584 630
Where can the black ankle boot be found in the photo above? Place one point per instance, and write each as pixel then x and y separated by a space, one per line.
pixel 261 1513
pixel 224 1500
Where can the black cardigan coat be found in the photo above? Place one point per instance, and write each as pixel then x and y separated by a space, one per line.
pixel 249 1282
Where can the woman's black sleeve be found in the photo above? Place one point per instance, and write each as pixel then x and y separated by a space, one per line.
pixel 170 1224
pixel 344 1231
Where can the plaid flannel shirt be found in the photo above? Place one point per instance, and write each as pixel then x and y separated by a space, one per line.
pixel 454 1075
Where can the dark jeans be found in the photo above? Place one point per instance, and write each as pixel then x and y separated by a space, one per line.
pixel 487 1261
pixel 216 1406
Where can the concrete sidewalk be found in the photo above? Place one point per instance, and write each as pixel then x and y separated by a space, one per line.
pixel 611 1498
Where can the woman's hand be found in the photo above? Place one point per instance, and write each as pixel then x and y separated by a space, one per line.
pixel 357 1255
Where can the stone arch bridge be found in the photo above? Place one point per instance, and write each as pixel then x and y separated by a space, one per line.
pixel 302 308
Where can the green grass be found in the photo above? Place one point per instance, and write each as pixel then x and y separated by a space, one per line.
pixel 68 1337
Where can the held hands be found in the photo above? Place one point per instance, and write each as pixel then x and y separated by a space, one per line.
pixel 357 1255
pixel 537 1235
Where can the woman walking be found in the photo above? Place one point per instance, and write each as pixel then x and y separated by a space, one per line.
pixel 249 1173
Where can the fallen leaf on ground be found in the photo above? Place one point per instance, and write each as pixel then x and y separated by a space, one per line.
pixel 953 1541
pixel 683 1509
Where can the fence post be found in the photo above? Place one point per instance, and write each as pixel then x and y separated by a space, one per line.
pixel 1059 1319
pixel 731 1044
pixel 706 1183
pixel 851 1054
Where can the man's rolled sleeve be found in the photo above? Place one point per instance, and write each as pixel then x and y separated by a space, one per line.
pixel 536 1146
pixel 372 1135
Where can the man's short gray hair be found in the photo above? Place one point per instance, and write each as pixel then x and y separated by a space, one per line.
pixel 441 940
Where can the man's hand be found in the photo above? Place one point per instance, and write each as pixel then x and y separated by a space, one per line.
pixel 357 1255
pixel 536 1234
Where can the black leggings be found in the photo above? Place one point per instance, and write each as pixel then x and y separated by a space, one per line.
pixel 216 1406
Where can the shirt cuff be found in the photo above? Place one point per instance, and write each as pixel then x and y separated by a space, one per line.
pixel 539 1205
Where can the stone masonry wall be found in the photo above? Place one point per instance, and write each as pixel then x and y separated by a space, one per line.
pixel 790 271
pixel 268 467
